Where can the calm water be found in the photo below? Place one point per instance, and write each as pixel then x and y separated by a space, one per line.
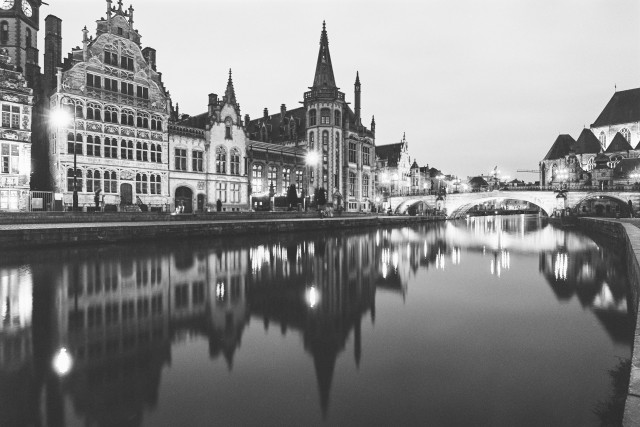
pixel 496 321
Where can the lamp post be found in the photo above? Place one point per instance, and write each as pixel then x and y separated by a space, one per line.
pixel 311 160
pixel 61 119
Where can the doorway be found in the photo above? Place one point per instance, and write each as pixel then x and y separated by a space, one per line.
pixel 184 196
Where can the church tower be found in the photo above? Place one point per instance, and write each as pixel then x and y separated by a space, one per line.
pixel 324 105
pixel 19 24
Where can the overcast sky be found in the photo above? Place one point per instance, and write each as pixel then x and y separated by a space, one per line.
pixel 474 84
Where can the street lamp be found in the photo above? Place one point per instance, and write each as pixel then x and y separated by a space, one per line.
pixel 312 158
pixel 61 118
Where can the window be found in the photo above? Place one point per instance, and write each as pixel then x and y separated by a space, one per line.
pixel 352 184
pixel 272 178
pixel 337 118
pixel 603 139
pixel 365 186
pixel 181 159
pixel 110 114
pixel 299 180
pixel 126 63
pixel 93 181
pixel 110 182
pixel 155 184
pixel 111 148
pixel 156 123
pixel 4 32
pixel 366 158
pixel 196 158
pixel 10 116
pixel 627 135
pixel 221 160
pixel 141 183
pixel 311 139
pixel 235 193
pixel 93 112
pixel 74 146
pixel 235 162
pixel 10 158
pixel 142 92
pixel 93 146
pixel 286 179
pixel 256 178
pixel 312 117
pixel 325 141
pixel 325 116
pixel 93 81
pixel 126 117
pixel 126 88
pixel 221 191
pixel 352 152
pixel 70 179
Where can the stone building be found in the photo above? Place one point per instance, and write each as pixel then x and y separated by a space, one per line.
pixel 16 101
pixel 121 107
pixel 328 127
pixel 207 157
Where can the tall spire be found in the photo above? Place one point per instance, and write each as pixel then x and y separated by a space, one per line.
pixel 324 69
pixel 230 93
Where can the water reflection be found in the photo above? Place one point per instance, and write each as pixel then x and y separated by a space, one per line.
pixel 120 312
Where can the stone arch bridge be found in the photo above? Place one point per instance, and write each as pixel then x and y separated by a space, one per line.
pixel 458 204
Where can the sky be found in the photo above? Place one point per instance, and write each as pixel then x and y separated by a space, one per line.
pixel 473 84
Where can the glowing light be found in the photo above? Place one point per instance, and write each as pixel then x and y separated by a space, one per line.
pixel 313 297
pixel 62 362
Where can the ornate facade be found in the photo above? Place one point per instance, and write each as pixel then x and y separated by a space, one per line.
pixel 207 157
pixel 119 133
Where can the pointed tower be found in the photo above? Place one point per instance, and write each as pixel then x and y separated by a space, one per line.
pixel 325 108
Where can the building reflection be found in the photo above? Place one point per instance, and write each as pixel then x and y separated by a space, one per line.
pixel 119 311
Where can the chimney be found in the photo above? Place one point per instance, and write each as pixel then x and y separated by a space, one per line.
pixel 52 50
pixel 266 113
pixel 283 110
pixel 213 102
pixel 149 55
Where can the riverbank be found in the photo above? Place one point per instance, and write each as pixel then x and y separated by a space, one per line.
pixel 87 228
pixel 627 232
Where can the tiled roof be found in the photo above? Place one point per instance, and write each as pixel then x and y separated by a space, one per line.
pixel 587 143
pixel 277 127
pixel 623 107
pixel 619 143
pixel 560 147
pixel 390 153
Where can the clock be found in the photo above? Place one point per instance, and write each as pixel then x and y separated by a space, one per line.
pixel 7 4
pixel 26 8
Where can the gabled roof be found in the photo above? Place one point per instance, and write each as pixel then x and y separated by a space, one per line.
pixel 277 127
pixel 560 147
pixel 587 143
pixel 390 152
pixel 619 143
pixel 623 107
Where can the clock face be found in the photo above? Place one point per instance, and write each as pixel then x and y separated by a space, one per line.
pixel 6 4
pixel 26 8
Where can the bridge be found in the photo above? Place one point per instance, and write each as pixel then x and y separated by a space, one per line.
pixel 457 205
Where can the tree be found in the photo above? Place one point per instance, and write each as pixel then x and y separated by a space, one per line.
pixel 292 195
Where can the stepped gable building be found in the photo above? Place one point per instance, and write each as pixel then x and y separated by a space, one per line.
pixel 121 120
pixel 594 158
pixel 16 101
pixel 207 156
pixel 326 126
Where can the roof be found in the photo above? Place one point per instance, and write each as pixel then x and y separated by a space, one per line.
pixel 587 143
pixel 623 107
pixel 560 147
pixel 277 127
pixel 619 143
pixel 390 152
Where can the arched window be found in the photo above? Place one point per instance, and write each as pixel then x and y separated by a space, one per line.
pixel 603 139
pixel 286 179
pixel 627 135
pixel 325 116
pixel 337 118
pixel 221 160
pixel 141 183
pixel 352 184
pixel 365 185
pixel 272 178
pixel 257 172
pixel 325 140
pixel 4 32
pixel 235 162
pixel 312 117
pixel 311 139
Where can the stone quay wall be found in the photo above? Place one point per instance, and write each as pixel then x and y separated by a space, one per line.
pixel 627 235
